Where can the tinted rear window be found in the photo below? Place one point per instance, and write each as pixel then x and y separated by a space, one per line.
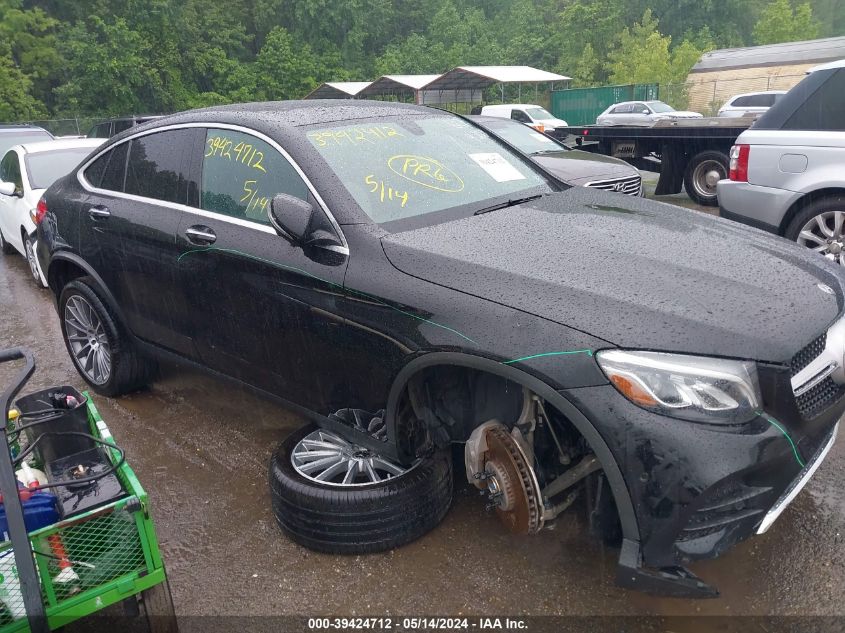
pixel 108 171
pixel 814 104
pixel 156 168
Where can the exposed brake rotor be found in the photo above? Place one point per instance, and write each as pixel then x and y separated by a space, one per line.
pixel 511 483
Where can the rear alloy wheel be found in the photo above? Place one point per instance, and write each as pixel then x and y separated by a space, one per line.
pixel 29 247
pixel 703 172
pixel 97 344
pixel 820 226
pixel 333 496
pixel 5 247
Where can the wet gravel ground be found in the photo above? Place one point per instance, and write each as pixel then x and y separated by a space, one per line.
pixel 201 448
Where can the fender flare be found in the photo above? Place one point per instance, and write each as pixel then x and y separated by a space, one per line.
pixel 102 289
pixel 609 464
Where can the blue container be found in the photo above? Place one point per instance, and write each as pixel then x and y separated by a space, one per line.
pixel 38 511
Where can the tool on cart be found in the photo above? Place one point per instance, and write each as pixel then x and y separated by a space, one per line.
pixel 75 530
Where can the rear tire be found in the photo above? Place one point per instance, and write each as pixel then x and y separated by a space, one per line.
pixel 824 211
pixel 127 370
pixel 5 247
pixel 29 249
pixel 703 171
pixel 358 519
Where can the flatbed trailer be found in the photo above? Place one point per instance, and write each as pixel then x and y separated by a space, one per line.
pixel 693 153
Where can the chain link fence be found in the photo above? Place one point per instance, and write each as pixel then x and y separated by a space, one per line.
pixel 710 95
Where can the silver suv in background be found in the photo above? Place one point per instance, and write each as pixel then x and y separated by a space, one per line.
pixel 750 103
pixel 787 173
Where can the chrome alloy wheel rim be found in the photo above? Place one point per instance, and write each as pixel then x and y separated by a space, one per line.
pixel 705 176
pixel 326 458
pixel 824 234
pixel 30 257
pixel 88 342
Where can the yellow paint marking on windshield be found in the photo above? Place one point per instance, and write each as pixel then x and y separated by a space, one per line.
pixel 354 136
pixel 385 191
pixel 426 172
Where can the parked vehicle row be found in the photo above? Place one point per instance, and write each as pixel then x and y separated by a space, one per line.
pixel 411 281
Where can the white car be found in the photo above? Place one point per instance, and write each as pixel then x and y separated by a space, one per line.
pixel 750 103
pixel 642 113
pixel 25 172
pixel 539 118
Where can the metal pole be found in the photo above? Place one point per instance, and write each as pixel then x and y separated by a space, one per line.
pixel 27 576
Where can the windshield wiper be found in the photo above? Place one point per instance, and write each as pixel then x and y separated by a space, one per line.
pixel 509 203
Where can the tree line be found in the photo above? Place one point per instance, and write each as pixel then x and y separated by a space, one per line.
pixel 112 57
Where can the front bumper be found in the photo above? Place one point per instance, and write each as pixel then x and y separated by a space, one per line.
pixel 698 489
pixel 760 207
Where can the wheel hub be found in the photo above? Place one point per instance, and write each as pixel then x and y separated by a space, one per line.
pixel 825 234
pixel 87 340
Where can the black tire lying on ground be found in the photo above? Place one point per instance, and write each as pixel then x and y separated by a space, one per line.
pixel 359 519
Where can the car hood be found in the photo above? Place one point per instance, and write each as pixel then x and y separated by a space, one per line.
pixel 636 273
pixel 577 167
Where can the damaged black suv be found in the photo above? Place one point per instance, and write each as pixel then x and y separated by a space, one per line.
pixel 411 283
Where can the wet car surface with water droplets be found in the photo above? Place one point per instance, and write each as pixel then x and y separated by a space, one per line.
pixel 662 337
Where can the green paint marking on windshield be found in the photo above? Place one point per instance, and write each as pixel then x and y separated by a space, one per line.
pixel 588 352
pixel 325 281
pixel 775 424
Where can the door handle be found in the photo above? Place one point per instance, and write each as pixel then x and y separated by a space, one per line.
pixel 199 234
pixel 99 212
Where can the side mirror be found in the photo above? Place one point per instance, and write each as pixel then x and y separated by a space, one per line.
pixel 646 112
pixel 8 188
pixel 291 216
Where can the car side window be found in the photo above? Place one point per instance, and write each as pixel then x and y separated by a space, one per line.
pixel 519 115
pixel 621 109
pixel 10 170
pixel 157 167
pixel 823 109
pixel 242 173
pixel 641 108
pixel 109 170
pixel 741 102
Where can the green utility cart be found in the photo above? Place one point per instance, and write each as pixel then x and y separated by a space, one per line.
pixel 112 549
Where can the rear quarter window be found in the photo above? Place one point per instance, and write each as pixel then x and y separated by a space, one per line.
pixel 157 167
pixel 108 171
pixel 824 109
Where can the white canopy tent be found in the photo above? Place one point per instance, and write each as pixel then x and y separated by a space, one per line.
pixel 395 85
pixel 465 80
pixel 338 90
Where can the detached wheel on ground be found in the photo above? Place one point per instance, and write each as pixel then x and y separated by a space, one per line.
pixel 704 170
pixel 98 344
pixel 5 247
pixel 332 496
pixel 820 226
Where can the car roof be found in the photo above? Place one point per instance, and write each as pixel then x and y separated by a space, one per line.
pixel 758 92
pixel 59 144
pixel 840 63
pixel 20 127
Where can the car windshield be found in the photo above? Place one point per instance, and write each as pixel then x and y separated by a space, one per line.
pixel 524 138
pixel 539 114
pixel 44 168
pixel 9 140
pixel 399 169
pixel 659 106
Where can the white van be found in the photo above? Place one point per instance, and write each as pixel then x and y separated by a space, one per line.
pixel 535 116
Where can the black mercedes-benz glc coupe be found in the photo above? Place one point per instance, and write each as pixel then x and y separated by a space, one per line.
pixel 410 282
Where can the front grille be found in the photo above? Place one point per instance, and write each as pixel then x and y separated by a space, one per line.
pixel 629 186
pixel 807 354
pixel 819 397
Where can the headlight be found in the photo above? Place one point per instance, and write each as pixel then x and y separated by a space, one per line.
pixel 695 388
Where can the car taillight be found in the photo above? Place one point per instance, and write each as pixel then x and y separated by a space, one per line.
pixel 739 163
pixel 40 211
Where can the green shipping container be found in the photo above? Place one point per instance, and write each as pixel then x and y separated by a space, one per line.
pixel 581 106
